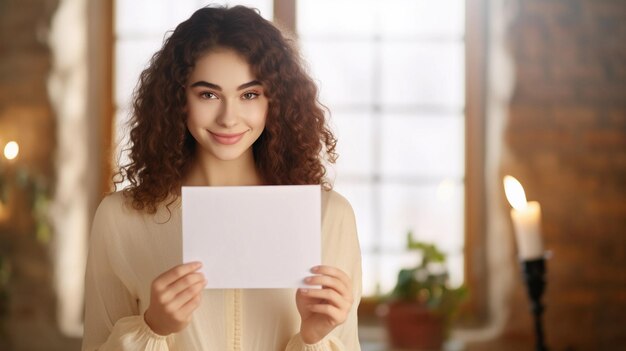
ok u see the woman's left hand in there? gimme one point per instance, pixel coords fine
(321, 310)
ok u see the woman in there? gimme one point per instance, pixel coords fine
(225, 102)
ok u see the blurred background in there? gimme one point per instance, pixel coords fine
(433, 103)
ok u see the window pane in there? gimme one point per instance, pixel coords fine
(424, 146)
(440, 18)
(455, 268)
(154, 18)
(139, 17)
(396, 18)
(121, 137)
(361, 199)
(369, 266)
(354, 132)
(131, 58)
(342, 70)
(402, 65)
(432, 212)
(332, 17)
(423, 74)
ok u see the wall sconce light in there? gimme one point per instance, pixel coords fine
(11, 150)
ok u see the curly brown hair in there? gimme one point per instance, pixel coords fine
(296, 138)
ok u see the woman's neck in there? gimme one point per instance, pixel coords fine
(206, 170)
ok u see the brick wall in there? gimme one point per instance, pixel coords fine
(567, 138)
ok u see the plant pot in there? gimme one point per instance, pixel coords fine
(413, 326)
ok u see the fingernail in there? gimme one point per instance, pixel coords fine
(304, 291)
(315, 269)
(198, 264)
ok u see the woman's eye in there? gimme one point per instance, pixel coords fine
(208, 95)
(250, 96)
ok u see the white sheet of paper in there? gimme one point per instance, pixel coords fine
(253, 236)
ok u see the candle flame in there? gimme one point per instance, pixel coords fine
(514, 193)
(11, 150)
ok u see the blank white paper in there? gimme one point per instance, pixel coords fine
(253, 236)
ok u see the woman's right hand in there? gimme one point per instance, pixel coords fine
(174, 295)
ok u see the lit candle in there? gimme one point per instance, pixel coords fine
(526, 220)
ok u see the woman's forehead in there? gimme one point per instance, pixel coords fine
(223, 67)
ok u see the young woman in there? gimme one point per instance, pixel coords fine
(225, 102)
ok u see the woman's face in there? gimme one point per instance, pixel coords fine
(226, 105)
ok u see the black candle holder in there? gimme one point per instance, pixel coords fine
(534, 271)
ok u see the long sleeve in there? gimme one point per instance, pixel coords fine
(341, 249)
(112, 318)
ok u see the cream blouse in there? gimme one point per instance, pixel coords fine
(129, 249)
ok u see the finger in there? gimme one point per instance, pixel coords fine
(170, 276)
(328, 310)
(184, 296)
(333, 272)
(329, 282)
(303, 293)
(181, 284)
(304, 299)
(330, 296)
(190, 306)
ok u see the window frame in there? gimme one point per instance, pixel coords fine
(475, 312)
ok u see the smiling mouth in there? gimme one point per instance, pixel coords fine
(227, 139)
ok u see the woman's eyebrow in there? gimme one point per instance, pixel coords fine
(205, 84)
(249, 84)
(202, 83)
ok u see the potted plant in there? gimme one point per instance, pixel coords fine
(419, 310)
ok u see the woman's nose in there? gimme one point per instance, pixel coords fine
(228, 115)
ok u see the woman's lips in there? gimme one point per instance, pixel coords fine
(227, 139)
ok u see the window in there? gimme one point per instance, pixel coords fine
(393, 77)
